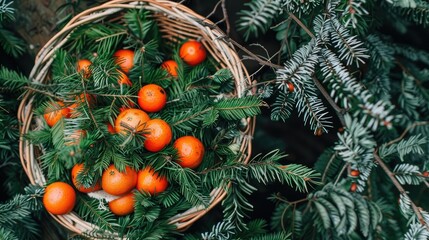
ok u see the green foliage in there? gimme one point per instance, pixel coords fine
(415, 11)
(342, 213)
(334, 53)
(201, 103)
(222, 230)
(404, 147)
(258, 18)
(331, 52)
(16, 215)
(239, 108)
(12, 80)
(416, 231)
(6, 11)
(225, 230)
(263, 169)
(9, 42)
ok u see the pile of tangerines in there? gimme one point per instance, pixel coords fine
(60, 197)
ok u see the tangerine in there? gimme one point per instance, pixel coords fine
(117, 183)
(77, 169)
(125, 59)
(82, 99)
(149, 181)
(127, 106)
(131, 120)
(152, 98)
(192, 52)
(75, 137)
(110, 128)
(123, 205)
(54, 112)
(171, 67)
(190, 151)
(158, 134)
(59, 198)
(123, 79)
(83, 65)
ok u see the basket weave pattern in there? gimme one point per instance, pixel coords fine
(176, 22)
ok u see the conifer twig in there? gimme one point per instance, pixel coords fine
(299, 22)
(225, 17)
(338, 110)
(214, 10)
(331, 159)
(341, 173)
(254, 56)
(43, 92)
(398, 186)
(416, 124)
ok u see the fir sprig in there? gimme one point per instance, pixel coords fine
(258, 18)
(16, 215)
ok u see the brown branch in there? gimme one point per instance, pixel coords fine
(301, 25)
(416, 124)
(340, 111)
(214, 10)
(398, 186)
(43, 92)
(409, 72)
(226, 18)
(327, 166)
(341, 173)
(87, 103)
(254, 56)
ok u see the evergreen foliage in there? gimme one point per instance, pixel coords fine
(200, 103)
(337, 67)
(21, 204)
(17, 218)
(9, 42)
(374, 90)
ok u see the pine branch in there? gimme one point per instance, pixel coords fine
(403, 147)
(350, 48)
(254, 56)
(416, 231)
(407, 174)
(416, 11)
(339, 212)
(301, 24)
(300, 66)
(340, 111)
(401, 190)
(301, 7)
(312, 108)
(89, 209)
(238, 108)
(282, 107)
(353, 13)
(380, 52)
(11, 44)
(221, 230)
(6, 11)
(258, 18)
(405, 132)
(11, 79)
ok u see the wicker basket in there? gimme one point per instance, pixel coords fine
(176, 22)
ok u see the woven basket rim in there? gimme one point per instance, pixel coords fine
(214, 41)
